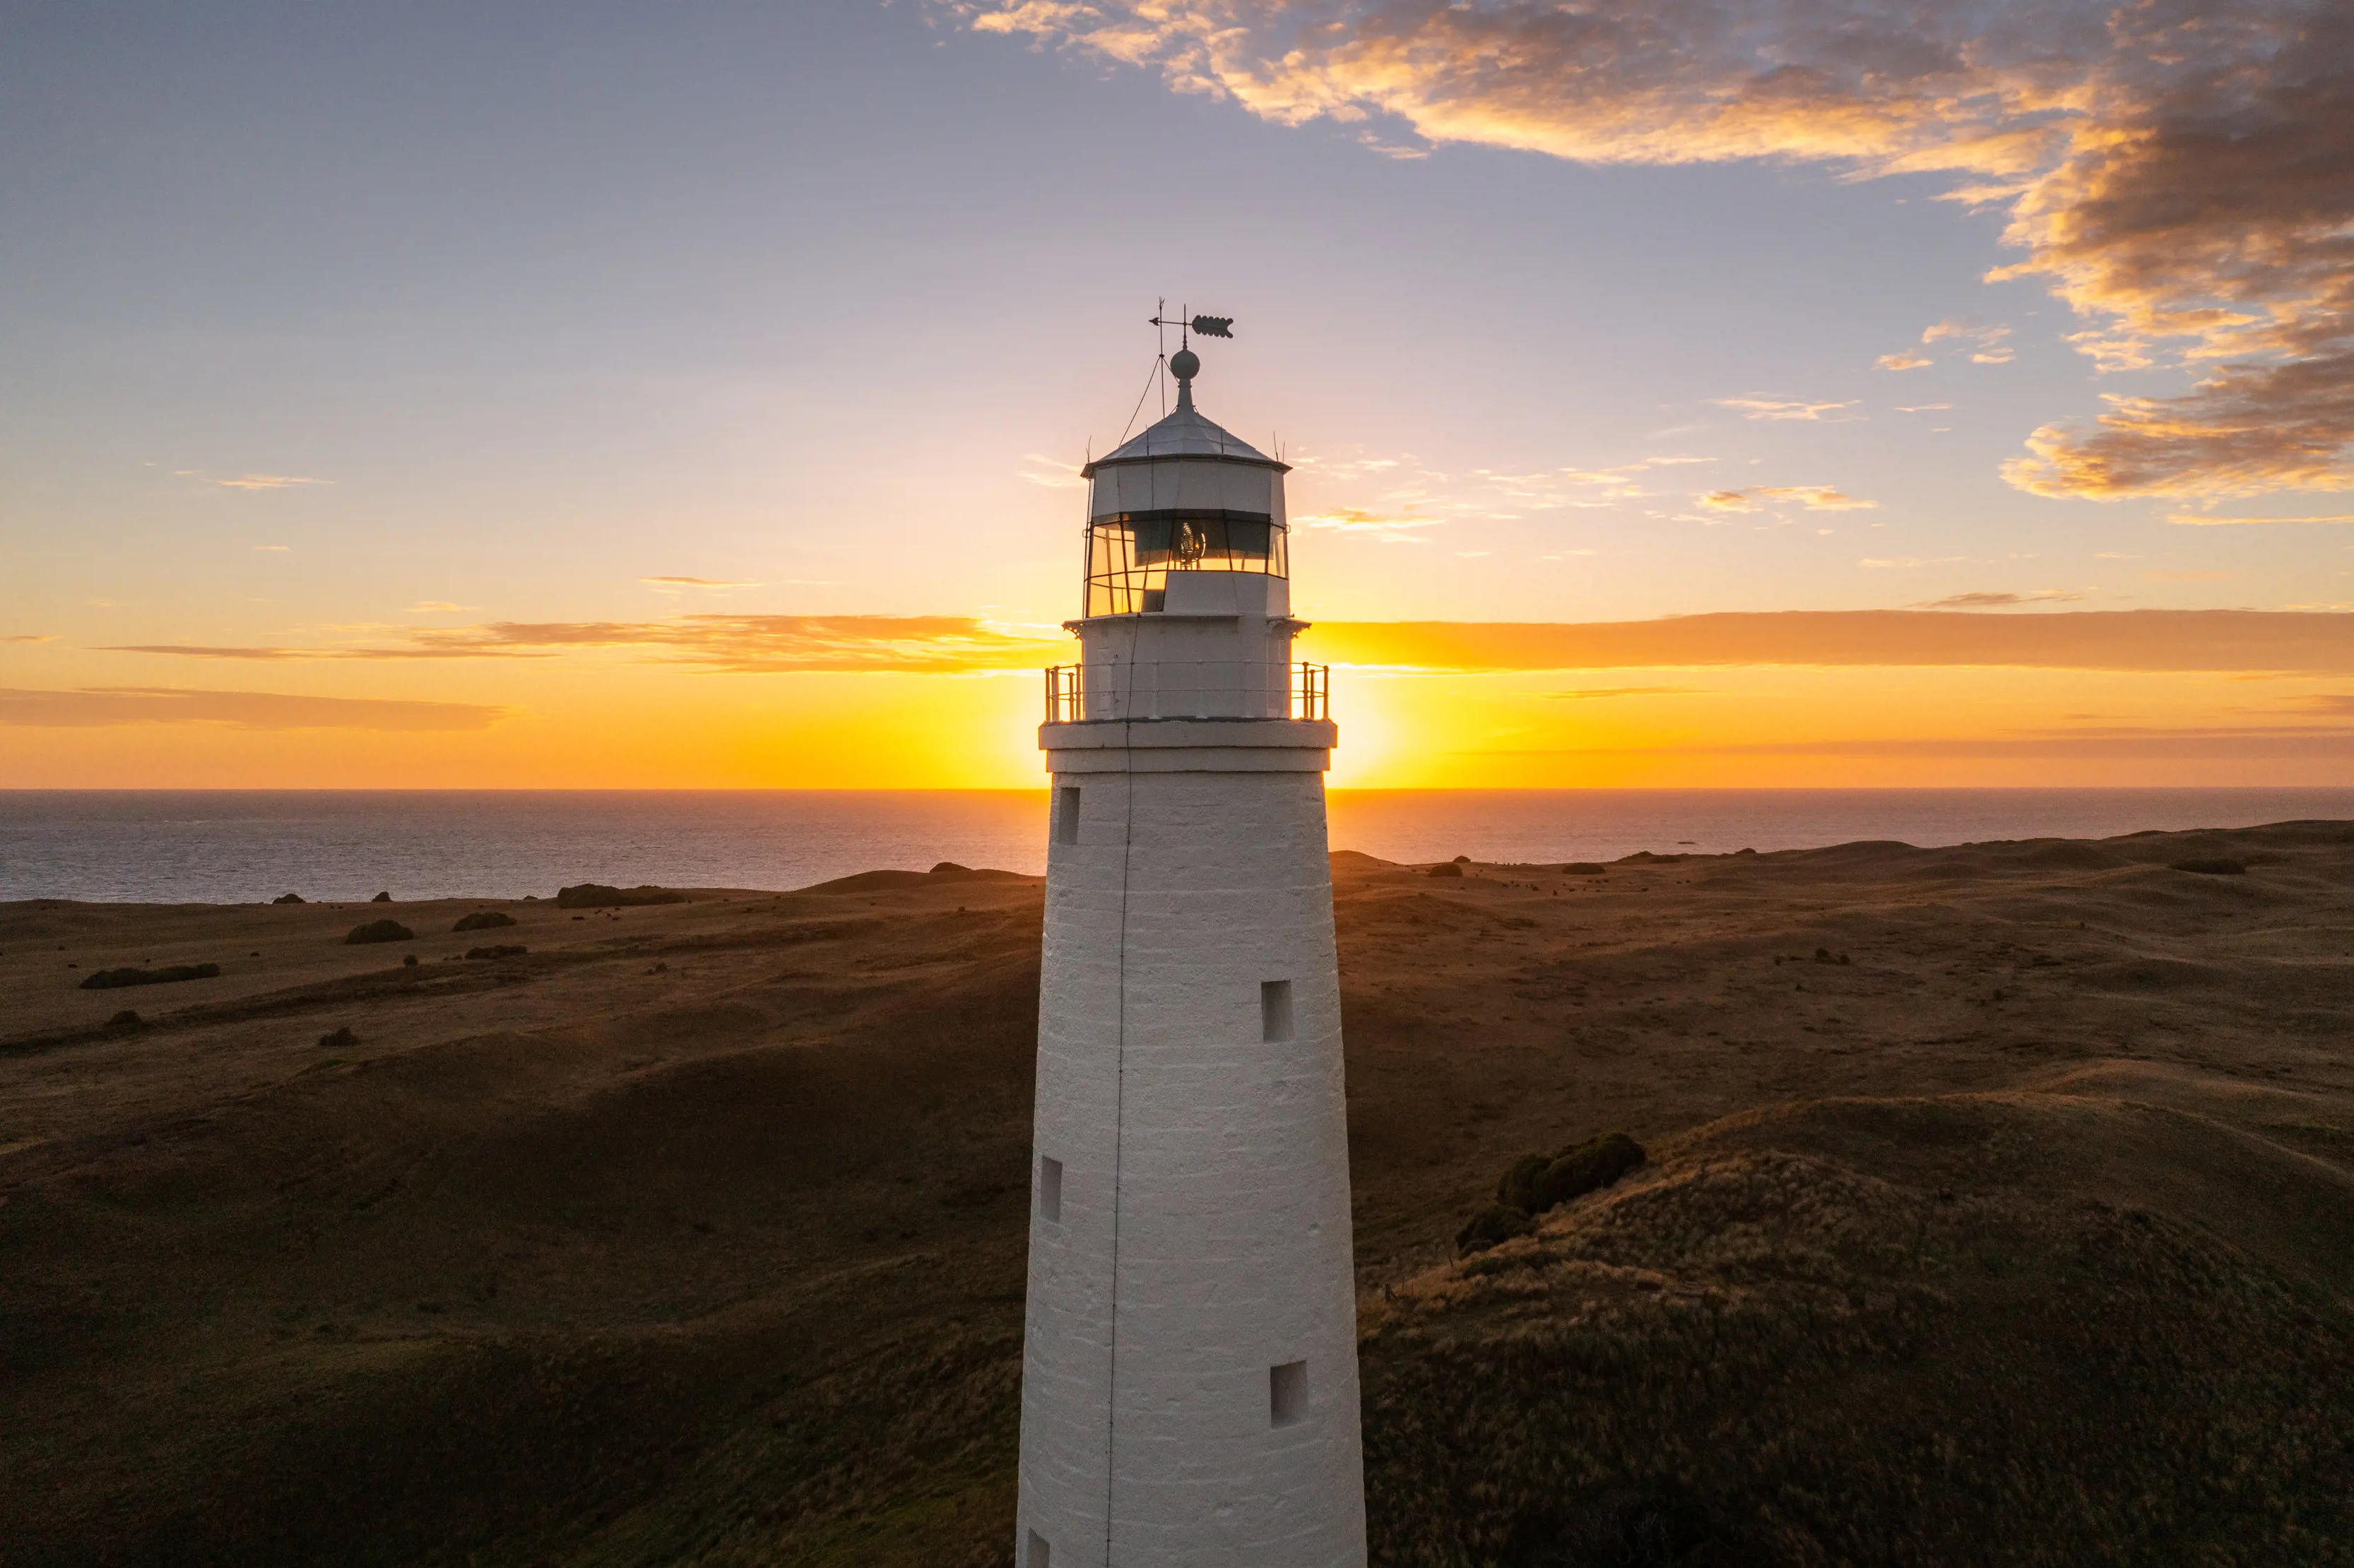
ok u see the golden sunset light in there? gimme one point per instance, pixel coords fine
(1177, 784)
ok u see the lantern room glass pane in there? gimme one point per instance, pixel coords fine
(1131, 554)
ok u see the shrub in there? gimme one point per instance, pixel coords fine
(287, 898)
(108, 979)
(1585, 1167)
(1496, 1223)
(380, 931)
(339, 1039)
(1445, 869)
(381, 898)
(503, 951)
(1518, 1190)
(597, 895)
(482, 920)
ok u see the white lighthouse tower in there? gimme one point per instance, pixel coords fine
(1189, 1389)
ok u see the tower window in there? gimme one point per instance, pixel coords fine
(1286, 1393)
(1066, 814)
(1275, 1009)
(1050, 1189)
(1035, 1552)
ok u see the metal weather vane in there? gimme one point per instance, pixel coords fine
(1187, 325)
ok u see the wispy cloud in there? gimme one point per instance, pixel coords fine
(674, 583)
(269, 481)
(2153, 639)
(1052, 473)
(2144, 640)
(1903, 359)
(435, 607)
(1599, 692)
(27, 637)
(1392, 529)
(1923, 408)
(2205, 520)
(2116, 743)
(2178, 175)
(1986, 342)
(1771, 408)
(1812, 497)
(1993, 600)
(942, 644)
(99, 706)
(273, 550)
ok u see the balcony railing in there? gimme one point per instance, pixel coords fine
(1188, 688)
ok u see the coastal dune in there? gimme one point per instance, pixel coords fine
(1998, 1207)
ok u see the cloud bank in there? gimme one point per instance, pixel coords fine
(2137, 639)
(2180, 173)
(99, 706)
(745, 644)
(2143, 640)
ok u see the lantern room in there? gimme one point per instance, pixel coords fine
(1186, 519)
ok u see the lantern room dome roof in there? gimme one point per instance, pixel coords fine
(1186, 434)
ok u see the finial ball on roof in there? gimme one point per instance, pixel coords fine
(1185, 365)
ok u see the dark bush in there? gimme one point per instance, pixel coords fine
(126, 1019)
(2213, 867)
(287, 898)
(1582, 1168)
(339, 1039)
(108, 980)
(1496, 1223)
(1518, 1190)
(381, 898)
(502, 951)
(380, 931)
(1584, 868)
(597, 895)
(1447, 869)
(482, 920)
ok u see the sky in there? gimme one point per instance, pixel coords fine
(1684, 393)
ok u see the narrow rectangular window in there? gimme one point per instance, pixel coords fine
(1050, 1189)
(1275, 1009)
(1066, 814)
(1035, 1552)
(1286, 1393)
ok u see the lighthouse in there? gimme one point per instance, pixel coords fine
(1189, 1387)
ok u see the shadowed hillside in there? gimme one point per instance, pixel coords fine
(1999, 1208)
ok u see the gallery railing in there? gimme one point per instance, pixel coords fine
(1188, 688)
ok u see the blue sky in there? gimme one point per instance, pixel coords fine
(329, 322)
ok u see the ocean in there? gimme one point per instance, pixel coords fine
(243, 846)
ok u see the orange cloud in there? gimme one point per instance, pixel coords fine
(1605, 692)
(1813, 497)
(2196, 520)
(2119, 744)
(2145, 639)
(1984, 599)
(2139, 640)
(2181, 176)
(941, 644)
(1769, 408)
(96, 706)
(269, 481)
